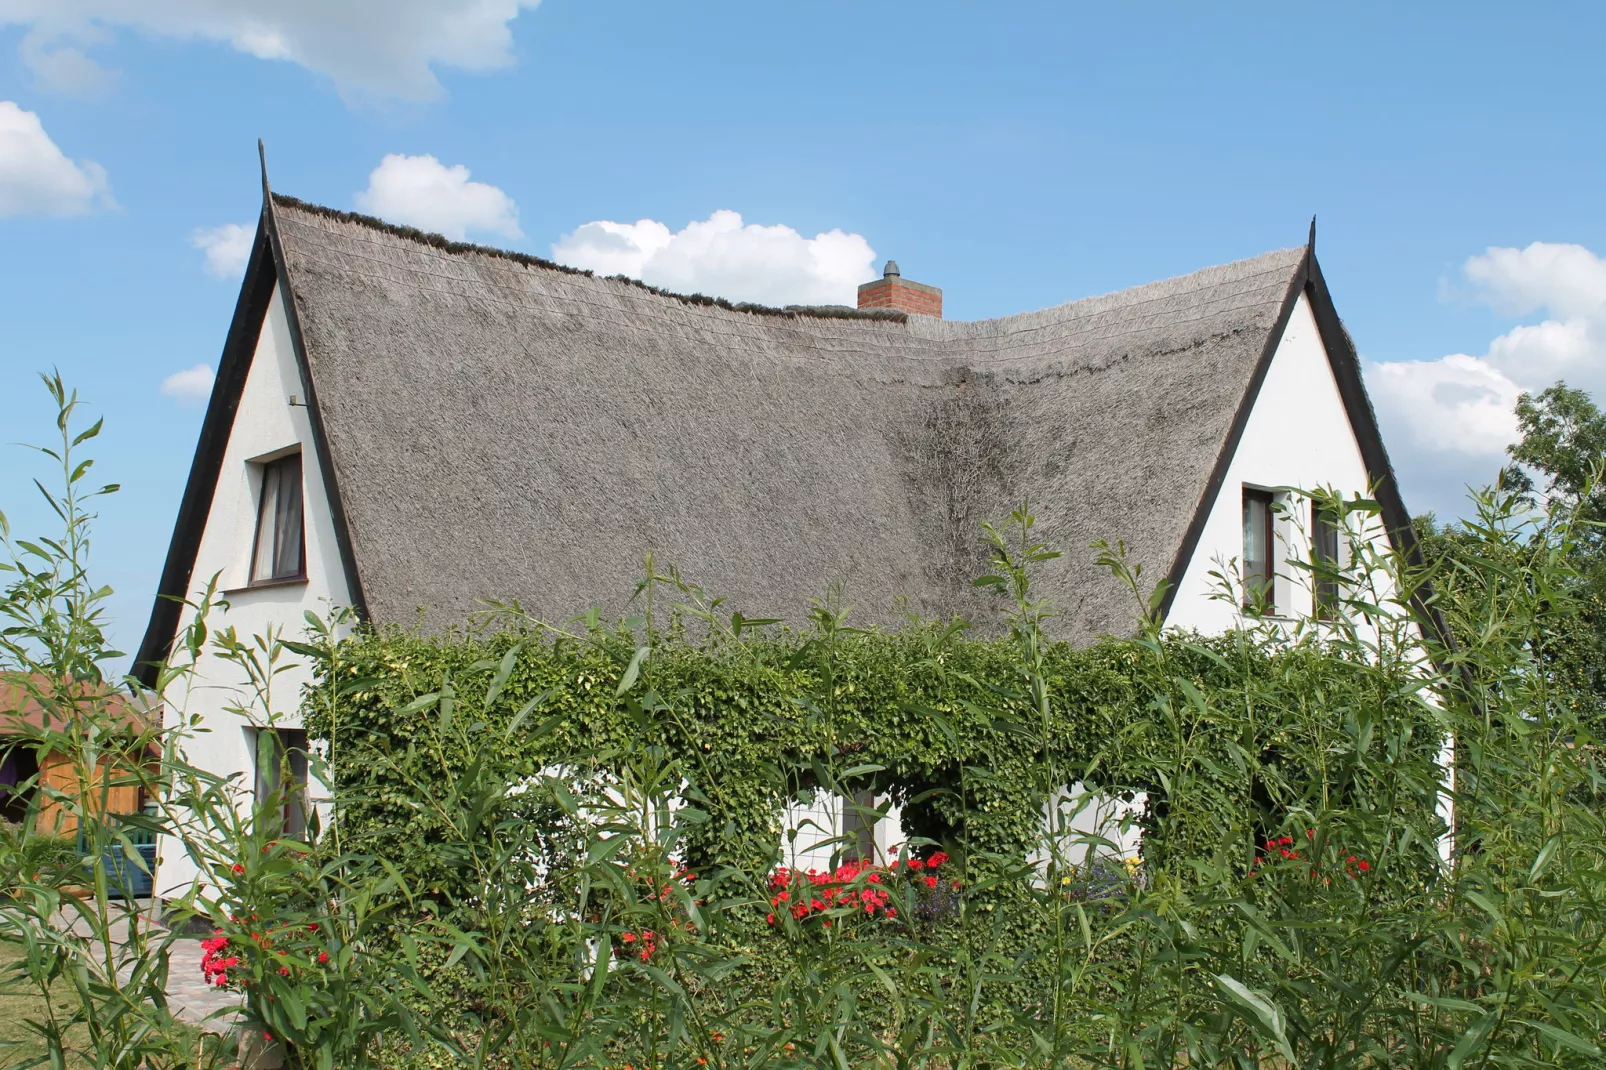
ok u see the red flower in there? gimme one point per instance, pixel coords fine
(284, 971)
(629, 938)
(916, 864)
(770, 918)
(238, 868)
(937, 859)
(1363, 866)
(931, 882)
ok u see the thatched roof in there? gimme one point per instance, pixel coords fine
(499, 427)
(504, 429)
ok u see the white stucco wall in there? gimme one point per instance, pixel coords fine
(264, 424)
(1298, 435)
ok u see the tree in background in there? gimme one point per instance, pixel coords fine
(1563, 442)
(1557, 462)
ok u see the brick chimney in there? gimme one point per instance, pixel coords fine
(892, 290)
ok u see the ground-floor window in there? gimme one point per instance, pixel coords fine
(281, 776)
(819, 827)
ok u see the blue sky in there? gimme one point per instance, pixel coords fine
(1016, 155)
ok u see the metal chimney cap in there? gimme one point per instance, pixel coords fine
(891, 270)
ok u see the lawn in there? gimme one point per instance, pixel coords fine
(20, 1002)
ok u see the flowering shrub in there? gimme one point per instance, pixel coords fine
(641, 944)
(856, 888)
(1281, 853)
(219, 956)
(215, 964)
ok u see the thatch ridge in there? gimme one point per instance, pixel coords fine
(447, 245)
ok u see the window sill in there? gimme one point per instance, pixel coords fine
(262, 585)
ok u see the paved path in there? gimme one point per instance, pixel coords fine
(191, 998)
(188, 994)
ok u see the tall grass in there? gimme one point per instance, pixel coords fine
(1319, 885)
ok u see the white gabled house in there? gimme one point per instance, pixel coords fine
(402, 423)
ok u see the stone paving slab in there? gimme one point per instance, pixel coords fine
(191, 998)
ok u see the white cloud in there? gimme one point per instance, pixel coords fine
(191, 384)
(369, 48)
(1567, 279)
(227, 248)
(60, 65)
(36, 178)
(1458, 408)
(723, 257)
(1457, 404)
(422, 192)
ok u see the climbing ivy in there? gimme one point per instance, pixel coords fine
(930, 718)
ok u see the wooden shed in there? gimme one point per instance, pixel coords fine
(34, 777)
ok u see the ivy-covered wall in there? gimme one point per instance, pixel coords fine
(939, 723)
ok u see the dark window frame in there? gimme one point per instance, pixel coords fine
(858, 827)
(289, 754)
(1326, 532)
(274, 481)
(1260, 589)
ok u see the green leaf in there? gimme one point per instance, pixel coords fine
(1545, 854)
(632, 671)
(1485, 904)
(1470, 1042)
(422, 702)
(1449, 1003)
(504, 672)
(1565, 1039)
(85, 436)
(524, 712)
(1265, 1012)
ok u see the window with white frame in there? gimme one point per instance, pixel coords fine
(280, 548)
(819, 827)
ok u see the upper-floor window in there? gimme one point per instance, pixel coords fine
(1259, 574)
(281, 543)
(1325, 559)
